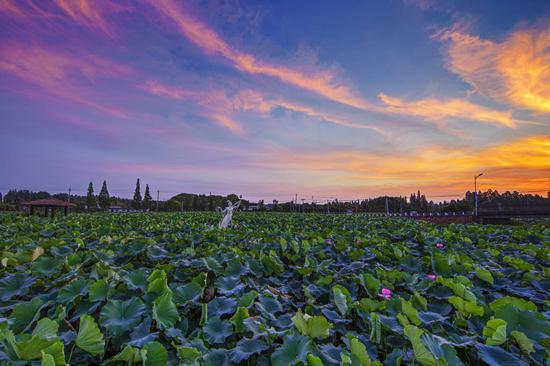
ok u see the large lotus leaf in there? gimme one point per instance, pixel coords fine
(73, 290)
(25, 313)
(246, 348)
(341, 299)
(269, 304)
(217, 357)
(89, 337)
(221, 306)
(57, 353)
(330, 355)
(371, 284)
(229, 285)
(421, 352)
(158, 282)
(119, 316)
(129, 355)
(31, 348)
(359, 354)
(533, 324)
(429, 317)
(441, 349)
(238, 318)
(99, 290)
(46, 328)
(155, 355)
(496, 356)
(142, 335)
(47, 360)
(47, 266)
(312, 326)
(495, 332)
(247, 299)
(235, 268)
(14, 285)
(216, 330)
(189, 292)
(189, 355)
(293, 351)
(156, 252)
(137, 279)
(165, 312)
(521, 304)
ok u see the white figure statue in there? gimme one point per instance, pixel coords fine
(226, 220)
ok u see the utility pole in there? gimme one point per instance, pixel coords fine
(69, 198)
(158, 194)
(475, 192)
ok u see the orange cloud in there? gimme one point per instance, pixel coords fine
(321, 82)
(515, 71)
(441, 110)
(522, 164)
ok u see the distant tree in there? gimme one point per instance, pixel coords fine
(1, 197)
(104, 199)
(136, 202)
(147, 199)
(90, 199)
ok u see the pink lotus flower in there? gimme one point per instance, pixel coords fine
(432, 277)
(385, 293)
(440, 245)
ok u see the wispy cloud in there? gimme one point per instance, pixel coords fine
(322, 82)
(441, 111)
(515, 71)
(60, 74)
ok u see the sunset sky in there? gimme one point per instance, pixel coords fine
(347, 99)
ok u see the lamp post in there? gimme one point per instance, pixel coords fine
(475, 192)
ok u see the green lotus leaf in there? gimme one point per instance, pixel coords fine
(14, 285)
(523, 342)
(521, 304)
(47, 360)
(25, 313)
(89, 337)
(533, 324)
(155, 354)
(421, 352)
(57, 352)
(216, 330)
(246, 348)
(371, 284)
(165, 312)
(73, 290)
(496, 356)
(46, 328)
(312, 326)
(341, 298)
(238, 319)
(294, 350)
(190, 292)
(189, 354)
(494, 332)
(98, 291)
(119, 317)
(485, 275)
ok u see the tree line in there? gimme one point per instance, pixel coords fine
(490, 199)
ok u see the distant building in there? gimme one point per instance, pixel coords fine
(117, 209)
(252, 208)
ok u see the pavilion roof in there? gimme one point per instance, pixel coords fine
(52, 202)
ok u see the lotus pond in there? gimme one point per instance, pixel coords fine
(274, 289)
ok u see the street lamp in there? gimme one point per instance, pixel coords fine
(475, 191)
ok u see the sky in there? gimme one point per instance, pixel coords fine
(323, 99)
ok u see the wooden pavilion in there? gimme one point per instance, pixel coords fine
(49, 204)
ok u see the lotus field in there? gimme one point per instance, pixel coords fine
(273, 289)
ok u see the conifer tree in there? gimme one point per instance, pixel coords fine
(90, 199)
(147, 199)
(104, 198)
(136, 203)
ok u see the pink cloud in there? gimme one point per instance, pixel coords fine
(60, 74)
